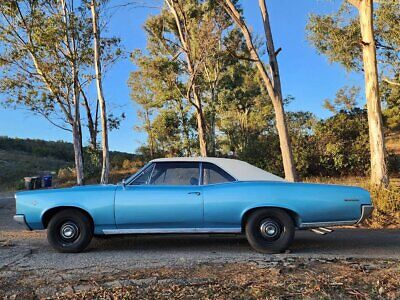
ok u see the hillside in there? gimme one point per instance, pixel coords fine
(28, 157)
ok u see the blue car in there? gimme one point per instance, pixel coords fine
(192, 195)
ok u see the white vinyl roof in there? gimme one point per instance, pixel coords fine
(240, 170)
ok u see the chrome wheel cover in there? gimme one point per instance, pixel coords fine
(69, 232)
(270, 229)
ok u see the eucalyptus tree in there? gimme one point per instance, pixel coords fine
(272, 83)
(191, 23)
(46, 62)
(156, 86)
(362, 43)
(44, 47)
(185, 69)
(100, 94)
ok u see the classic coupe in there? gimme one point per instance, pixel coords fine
(192, 195)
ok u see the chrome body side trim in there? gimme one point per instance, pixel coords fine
(172, 230)
(366, 212)
(21, 220)
(327, 224)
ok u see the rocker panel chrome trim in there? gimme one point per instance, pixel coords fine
(172, 230)
(327, 224)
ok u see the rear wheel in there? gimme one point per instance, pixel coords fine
(70, 230)
(270, 230)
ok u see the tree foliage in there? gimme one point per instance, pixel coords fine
(338, 37)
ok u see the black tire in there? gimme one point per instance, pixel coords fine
(69, 231)
(270, 230)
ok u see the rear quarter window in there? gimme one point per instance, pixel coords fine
(213, 174)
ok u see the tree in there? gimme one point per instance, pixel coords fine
(142, 92)
(342, 144)
(272, 85)
(183, 70)
(99, 85)
(44, 48)
(346, 99)
(184, 27)
(356, 43)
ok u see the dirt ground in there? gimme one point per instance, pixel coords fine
(287, 278)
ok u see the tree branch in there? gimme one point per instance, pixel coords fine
(391, 82)
(355, 3)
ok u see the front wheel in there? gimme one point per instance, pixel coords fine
(70, 231)
(270, 230)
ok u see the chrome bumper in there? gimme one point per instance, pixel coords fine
(366, 212)
(21, 220)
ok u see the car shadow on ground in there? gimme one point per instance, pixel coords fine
(340, 242)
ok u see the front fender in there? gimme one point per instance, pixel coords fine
(98, 202)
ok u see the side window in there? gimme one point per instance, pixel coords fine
(143, 178)
(175, 173)
(214, 174)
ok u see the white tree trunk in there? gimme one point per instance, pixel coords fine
(105, 171)
(75, 119)
(287, 157)
(76, 130)
(284, 139)
(201, 124)
(379, 173)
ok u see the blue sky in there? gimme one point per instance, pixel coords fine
(305, 75)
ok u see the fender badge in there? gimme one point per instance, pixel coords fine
(34, 203)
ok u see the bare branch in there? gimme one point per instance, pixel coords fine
(391, 82)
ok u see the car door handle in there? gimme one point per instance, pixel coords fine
(195, 193)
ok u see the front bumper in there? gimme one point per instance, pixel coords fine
(366, 212)
(21, 220)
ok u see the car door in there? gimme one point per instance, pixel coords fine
(221, 211)
(167, 195)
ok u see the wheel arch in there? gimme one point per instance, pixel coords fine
(294, 215)
(48, 214)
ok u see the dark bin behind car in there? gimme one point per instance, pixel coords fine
(38, 182)
(33, 183)
(47, 181)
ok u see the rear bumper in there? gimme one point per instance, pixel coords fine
(366, 212)
(21, 220)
